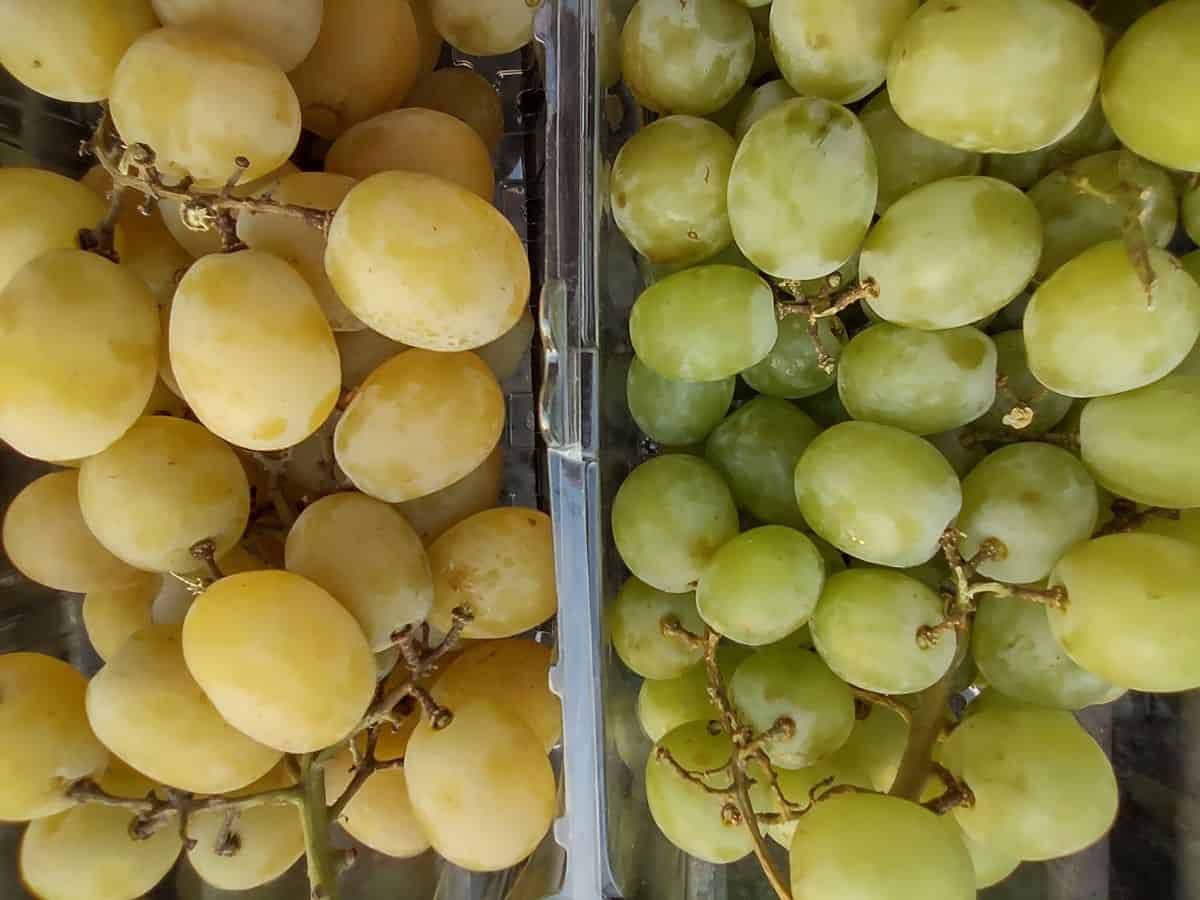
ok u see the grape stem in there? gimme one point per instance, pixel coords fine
(315, 819)
(99, 240)
(875, 699)
(1127, 517)
(971, 437)
(825, 305)
(956, 792)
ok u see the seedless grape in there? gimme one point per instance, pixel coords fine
(764, 99)
(463, 93)
(434, 514)
(1021, 389)
(675, 413)
(636, 621)
(285, 30)
(484, 28)
(112, 615)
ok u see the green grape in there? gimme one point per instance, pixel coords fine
(1091, 330)
(704, 324)
(1191, 264)
(877, 493)
(865, 627)
(1148, 86)
(921, 381)
(664, 705)
(686, 57)
(1037, 499)
(908, 159)
(1021, 389)
(1131, 610)
(674, 412)
(962, 457)
(802, 189)
(669, 517)
(1186, 527)
(690, 817)
(668, 189)
(1042, 786)
(1091, 135)
(997, 76)
(1016, 652)
(1190, 207)
(882, 848)
(1073, 221)
(826, 408)
(636, 620)
(1144, 444)
(932, 574)
(792, 369)
(756, 449)
(727, 115)
(793, 683)
(990, 864)
(797, 784)
(761, 586)
(951, 252)
(763, 99)
(876, 746)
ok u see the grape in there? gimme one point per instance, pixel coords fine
(367, 55)
(1073, 221)
(991, 865)
(932, 574)
(515, 674)
(689, 817)
(44, 706)
(826, 48)
(162, 488)
(487, 28)
(952, 252)
(673, 412)
(704, 324)
(1186, 527)
(1024, 170)
(668, 519)
(249, 319)
(362, 352)
(1191, 264)
(481, 788)
(802, 189)
(506, 353)
(791, 370)
(636, 622)
(961, 458)
(86, 853)
(906, 158)
(761, 101)
(1148, 78)
(368, 557)
(283, 30)
(47, 540)
(1090, 330)
(79, 341)
(1038, 500)
(875, 746)
(688, 58)
(1130, 616)
(69, 50)
(463, 93)
(434, 514)
(1190, 207)
(727, 116)
(174, 599)
(1020, 388)
(877, 493)
(1016, 652)
(885, 848)
(796, 785)
(664, 705)
(430, 41)
(500, 563)
(1042, 786)
(395, 258)
(1010, 76)
(112, 615)
(668, 189)
(298, 243)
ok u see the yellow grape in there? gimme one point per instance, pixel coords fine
(484, 27)
(482, 788)
(500, 563)
(299, 244)
(367, 53)
(505, 354)
(429, 41)
(44, 706)
(285, 30)
(174, 599)
(47, 540)
(433, 514)
(69, 49)
(200, 101)
(112, 615)
(362, 352)
(395, 258)
(164, 486)
(78, 354)
(465, 94)
(419, 423)
(252, 350)
(280, 658)
(415, 140)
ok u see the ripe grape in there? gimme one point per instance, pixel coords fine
(1092, 135)
(663, 706)
(961, 458)
(1186, 527)
(484, 28)
(761, 101)
(174, 598)
(1020, 388)
(434, 514)
(1190, 207)
(675, 413)
(635, 621)
(112, 615)
(797, 784)
(463, 93)
(876, 746)
(284, 30)
(362, 352)
(505, 354)
(991, 864)
(792, 369)
(727, 116)
(430, 41)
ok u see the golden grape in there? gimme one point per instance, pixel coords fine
(434, 513)
(284, 30)
(464, 94)
(112, 615)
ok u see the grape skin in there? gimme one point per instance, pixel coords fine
(791, 369)
(487, 28)
(636, 620)
(761, 101)
(111, 616)
(1021, 389)
(675, 413)
(285, 30)
(462, 93)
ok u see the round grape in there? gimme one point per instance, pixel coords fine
(636, 622)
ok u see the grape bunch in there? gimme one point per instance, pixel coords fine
(950, 500)
(267, 400)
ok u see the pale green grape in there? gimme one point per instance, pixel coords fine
(876, 746)
(484, 28)
(664, 705)
(668, 189)
(756, 449)
(1148, 86)
(763, 99)
(791, 369)
(1037, 499)
(669, 517)
(1010, 75)
(1186, 527)
(1016, 652)
(1091, 330)
(1190, 207)
(636, 622)
(826, 407)
(1042, 786)
(833, 49)
(762, 585)
(1073, 221)
(704, 324)
(962, 457)
(796, 785)
(1131, 610)
(865, 627)
(686, 57)
(952, 252)
(1091, 135)
(673, 412)
(802, 190)
(921, 381)
(877, 493)
(1020, 388)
